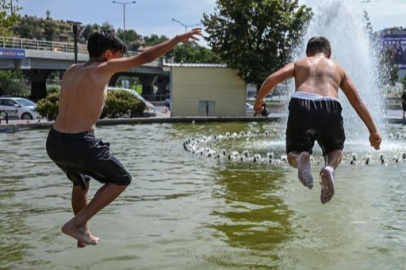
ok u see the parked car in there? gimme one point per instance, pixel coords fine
(149, 107)
(24, 108)
(249, 109)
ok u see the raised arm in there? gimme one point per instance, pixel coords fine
(275, 78)
(125, 63)
(356, 102)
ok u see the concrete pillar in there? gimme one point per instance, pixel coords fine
(162, 83)
(38, 83)
(147, 82)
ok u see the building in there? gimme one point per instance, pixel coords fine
(206, 90)
(394, 39)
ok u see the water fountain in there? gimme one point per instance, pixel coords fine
(343, 23)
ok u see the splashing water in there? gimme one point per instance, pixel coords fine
(342, 22)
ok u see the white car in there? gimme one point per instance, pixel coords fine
(19, 107)
(149, 107)
(249, 109)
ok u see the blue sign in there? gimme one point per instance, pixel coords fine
(396, 44)
(12, 53)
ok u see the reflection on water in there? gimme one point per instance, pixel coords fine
(184, 211)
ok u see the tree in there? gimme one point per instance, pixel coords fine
(12, 83)
(194, 53)
(8, 17)
(107, 26)
(87, 31)
(49, 30)
(130, 35)
(154, 39)
(48, 13)
(132, 38)
(256, 37)
(388, 72)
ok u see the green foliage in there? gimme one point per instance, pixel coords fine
(12, 83)
(256, 37)
(106, 26)
(53, 89)
(154, 40)
(122, 103)
(403, 81)
(50, 30)
(118, 104)
(388, 72)
(8, 17)
(48, 107)
(132, 39)
(31, 27)
(194, 54)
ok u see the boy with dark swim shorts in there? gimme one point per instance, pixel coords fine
(315, 112)
(71, 143)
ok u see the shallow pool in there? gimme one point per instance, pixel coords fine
(186, 211)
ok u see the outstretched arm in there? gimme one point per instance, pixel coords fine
(279, 76)
(356, 102)
(122, 64)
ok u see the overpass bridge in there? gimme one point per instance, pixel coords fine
(38, 58)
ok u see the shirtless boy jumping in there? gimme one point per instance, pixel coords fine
(315, 112)
(71, 143)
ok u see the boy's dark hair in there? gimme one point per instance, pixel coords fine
(103, 40)
(318, 45)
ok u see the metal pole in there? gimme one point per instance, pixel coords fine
(75, 40)
(124, 20)
(185, 25)
(12, 8)
(124, 4)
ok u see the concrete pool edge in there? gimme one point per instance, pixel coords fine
(120, 121)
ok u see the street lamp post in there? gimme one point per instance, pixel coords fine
(185, 25)
(124, 4)
(75, 26)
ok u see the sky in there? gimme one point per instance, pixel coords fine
(155, 16)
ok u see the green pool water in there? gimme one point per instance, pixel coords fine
(186, 211)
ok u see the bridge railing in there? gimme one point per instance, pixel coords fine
(43, 45)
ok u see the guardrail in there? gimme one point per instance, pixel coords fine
(5, 114)
(43, 45)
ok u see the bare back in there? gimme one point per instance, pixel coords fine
(82, 98)
(318, 75)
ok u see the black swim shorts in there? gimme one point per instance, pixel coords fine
(311, 118)
(82, 156)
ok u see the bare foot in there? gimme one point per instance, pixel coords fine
(82, 245)
(79, 234)
(304, 170)
(327, 184)
(91, 236)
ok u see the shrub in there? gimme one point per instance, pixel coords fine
(48, 107)
(118, 104)
(53, 88)
(122, 103)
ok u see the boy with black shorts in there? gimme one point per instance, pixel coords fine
(315, 112)
(71, 143)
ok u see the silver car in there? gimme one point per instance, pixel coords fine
(18, 107)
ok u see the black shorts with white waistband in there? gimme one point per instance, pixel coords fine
(81, 156)
(311, 118)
